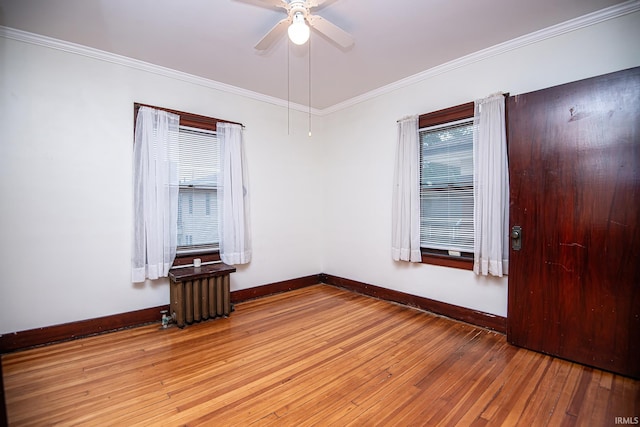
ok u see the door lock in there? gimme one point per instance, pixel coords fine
(516, 237)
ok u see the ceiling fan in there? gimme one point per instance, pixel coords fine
(298, 15)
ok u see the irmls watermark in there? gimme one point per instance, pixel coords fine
(627, 420)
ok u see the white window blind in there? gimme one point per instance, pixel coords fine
(446, 186)
(199, 156)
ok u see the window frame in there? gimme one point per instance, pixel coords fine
(208, 254)
(440, 117)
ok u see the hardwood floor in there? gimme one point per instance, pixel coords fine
(314, 356)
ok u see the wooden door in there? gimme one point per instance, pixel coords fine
(574, 159)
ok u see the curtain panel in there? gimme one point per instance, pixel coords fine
(491, 188)
(405, 215)
(233, 196)
(155, 193)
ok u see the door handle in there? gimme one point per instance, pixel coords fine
(516, 237)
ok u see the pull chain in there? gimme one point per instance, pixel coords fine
(288, 88)
(309, 86)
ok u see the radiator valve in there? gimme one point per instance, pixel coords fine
(165, 319)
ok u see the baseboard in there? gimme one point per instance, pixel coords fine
(274, 288)
(50, 334)
(474, 317)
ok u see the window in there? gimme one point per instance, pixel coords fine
(199, 163)
(199, 157)
(446, 186)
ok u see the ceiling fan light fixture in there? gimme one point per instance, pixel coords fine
(298, 30)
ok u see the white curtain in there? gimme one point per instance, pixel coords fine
(405, 215)
(491, 188)
(233, 196)
(155, 193)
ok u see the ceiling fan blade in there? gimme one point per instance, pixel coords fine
(267, 3)
(330, 30)
(272, 35)
(314, 3)
(276, 3)
(319, 4)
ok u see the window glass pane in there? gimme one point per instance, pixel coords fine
(199, 225)
(199, 157)
(446, 187)
(197, 204)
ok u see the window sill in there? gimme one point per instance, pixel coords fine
(461, 262)
(206, 255)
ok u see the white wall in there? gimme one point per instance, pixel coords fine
(318, 205)
(66, 139)
(360, 151)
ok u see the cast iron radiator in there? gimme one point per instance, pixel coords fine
(199, 293)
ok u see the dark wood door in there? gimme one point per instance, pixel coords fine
(574, 160)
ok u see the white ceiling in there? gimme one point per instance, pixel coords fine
(214, 39)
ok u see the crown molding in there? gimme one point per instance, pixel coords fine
(535, 37)
(89, 52)
(531, 38)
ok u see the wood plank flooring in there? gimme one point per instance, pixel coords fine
(314, 356)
